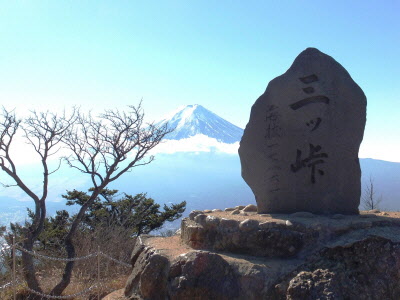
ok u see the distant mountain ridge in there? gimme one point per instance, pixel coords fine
(195, 119)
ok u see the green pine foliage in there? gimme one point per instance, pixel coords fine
(136, 214)
(130, 215)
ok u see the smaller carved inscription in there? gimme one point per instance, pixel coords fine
(272, 118)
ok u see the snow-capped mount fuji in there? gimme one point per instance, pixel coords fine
(195, 119)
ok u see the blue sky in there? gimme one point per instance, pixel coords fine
(220, 54)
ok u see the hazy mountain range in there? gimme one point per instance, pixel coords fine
(197, 163)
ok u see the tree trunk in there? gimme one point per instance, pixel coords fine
(29, 268)
(66, 278)
(31, 235)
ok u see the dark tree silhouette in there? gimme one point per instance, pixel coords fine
(369, 199)
(45, 133)
(104, 148)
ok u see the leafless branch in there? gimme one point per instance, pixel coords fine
(105, 148)
(369, 199)
(44, 132)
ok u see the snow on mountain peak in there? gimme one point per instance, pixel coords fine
(195, 119)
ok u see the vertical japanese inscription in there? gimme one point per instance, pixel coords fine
(314, 123)
(314, 157)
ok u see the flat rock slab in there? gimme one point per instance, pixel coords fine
(278, 235)
(166, 268)
(299, 151)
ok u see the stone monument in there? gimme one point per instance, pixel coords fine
(299, 155)
(299, 151)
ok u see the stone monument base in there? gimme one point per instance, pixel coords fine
(244, 255)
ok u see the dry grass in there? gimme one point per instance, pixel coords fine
(113, 276)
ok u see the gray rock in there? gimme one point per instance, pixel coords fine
(302, 214)
(207, 211)
(367, 216)
(194, 234)
(212, 222)
(194, 213)
(299, 151)
(229, 224)
(202, 275)
(200, 219)
(320, 284)
(269, 224)
(361, 225)
(229, 209)
(235, 212)
(288, 223)
(149, 273)
(363, 267)
(250, 208)
(248, 225)
(337, 216)
(240, 207)
(216, 210)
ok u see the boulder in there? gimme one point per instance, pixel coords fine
(299, 151)
(302, 214)
(366, 269)
(358, 264)
(202, 275)
(148, 274)
(250, 208)
(245, 237)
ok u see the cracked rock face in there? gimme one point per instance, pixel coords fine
(357, 269)
(202, 275)
(367, 269)
(299, 151)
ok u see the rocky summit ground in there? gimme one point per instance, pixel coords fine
(308, 257)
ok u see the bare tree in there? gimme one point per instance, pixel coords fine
(369, 199)
(44, 132)
(104, 148)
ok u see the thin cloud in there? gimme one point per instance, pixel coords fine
(197, 143)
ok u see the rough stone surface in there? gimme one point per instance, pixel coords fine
(229, 209)
(341, 263)
(201, 275)
(250, 208)
(299, 151)
(303, 214)
(243, 237)
(366, 269)
(280, 235)
(148, 274)
(320, 284)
